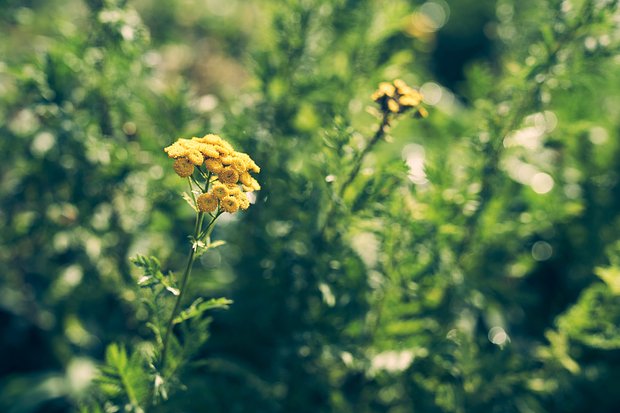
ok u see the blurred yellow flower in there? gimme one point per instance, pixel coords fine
(398, 97)
(393, 106)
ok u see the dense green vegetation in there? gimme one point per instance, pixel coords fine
(465, 262)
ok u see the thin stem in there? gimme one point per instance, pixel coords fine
(206, 176)
(357, 165)
(191, 188)
(185, 278)
(207, 231)
(198, 184)
(362, 155)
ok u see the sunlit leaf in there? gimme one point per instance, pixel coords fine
(200, 306)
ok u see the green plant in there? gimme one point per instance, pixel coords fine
(148, 374)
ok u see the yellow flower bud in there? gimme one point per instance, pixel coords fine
(195, 157)
(222, 151)
(176, 150)
(255, 185)
(211, 139)
(410, 100)
(245, 179)
(385, 89)
(227, 159)
(421, 113)
(393, 106)
(209, 151)
(400, 85)
(244, 202)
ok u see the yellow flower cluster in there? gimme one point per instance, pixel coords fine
(398, 97)
(229, 169)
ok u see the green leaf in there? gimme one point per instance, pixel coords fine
(216, 244)
(125, 375)
(150, 265)
(594, 320)
(169, 283)
(153, 275)
(199, 306)
(611, 277)
(201, 247)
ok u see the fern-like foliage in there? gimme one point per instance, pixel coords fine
(125, 378)
(135, 379)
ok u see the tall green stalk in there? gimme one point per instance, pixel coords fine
(188, 269)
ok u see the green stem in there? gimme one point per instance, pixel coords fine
(359, 160)
(357, 165)
(204, 234)
(198, 184)
(191, 188)
(185, 278)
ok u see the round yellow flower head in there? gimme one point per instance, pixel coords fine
(183, 167)
(230, 204)
(220, 190)
(228, 176)
(213, 165)
(233, 189)
(239, 165)
(229, 170)
(207, 202)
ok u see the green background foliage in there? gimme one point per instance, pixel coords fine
(473, 265)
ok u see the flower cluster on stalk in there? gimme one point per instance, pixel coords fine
(398, 97)
(226, 172)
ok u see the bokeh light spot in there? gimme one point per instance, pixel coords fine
(542, 183)
(437, 12)
(432, 93)
(542, 251)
